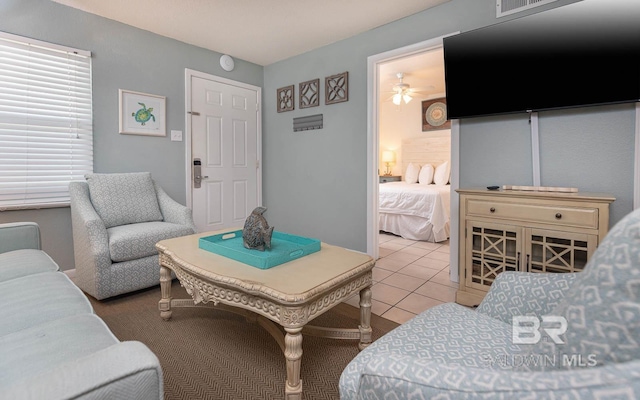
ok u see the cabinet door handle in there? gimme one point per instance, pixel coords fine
(558, 215)
(492, 209)
(527, 269)
(518, 267)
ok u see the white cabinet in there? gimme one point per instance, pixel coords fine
(525, 231)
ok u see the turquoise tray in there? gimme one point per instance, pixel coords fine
(284, 248)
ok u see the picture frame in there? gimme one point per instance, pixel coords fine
(309, 93)
(434, 115)
(286, 98)
(336, 88)
(141, 113)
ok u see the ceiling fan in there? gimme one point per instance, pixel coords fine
(403, 91)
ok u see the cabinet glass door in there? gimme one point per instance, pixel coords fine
(554, 251)
(491, 250)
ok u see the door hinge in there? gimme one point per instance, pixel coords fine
(195, 113)
(257, 164)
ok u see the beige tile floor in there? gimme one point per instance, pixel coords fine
(409, 277)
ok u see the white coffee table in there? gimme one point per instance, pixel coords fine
(290, 294)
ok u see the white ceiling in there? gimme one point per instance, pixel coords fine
(423, 72)
(259, 31)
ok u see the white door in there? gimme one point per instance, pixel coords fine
(224, 139)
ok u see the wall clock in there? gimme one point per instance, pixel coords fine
(434, 115)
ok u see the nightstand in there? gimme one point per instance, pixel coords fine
(390, 178)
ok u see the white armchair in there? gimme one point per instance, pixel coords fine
(117, 219)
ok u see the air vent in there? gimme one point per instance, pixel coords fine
(506, 7)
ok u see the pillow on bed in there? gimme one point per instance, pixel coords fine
(426, 174)
(411, 176)
(441, 176)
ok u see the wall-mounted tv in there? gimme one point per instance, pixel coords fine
(581, 54)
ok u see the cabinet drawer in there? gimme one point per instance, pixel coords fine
(566, 216)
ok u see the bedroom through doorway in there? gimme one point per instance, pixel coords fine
(414, 148)
(398, 137)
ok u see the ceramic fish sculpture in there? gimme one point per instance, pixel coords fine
(256, 233)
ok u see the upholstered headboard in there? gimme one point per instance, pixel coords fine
(434, 148)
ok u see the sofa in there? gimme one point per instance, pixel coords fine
(534, 336)
(117, 219)
(52, 345)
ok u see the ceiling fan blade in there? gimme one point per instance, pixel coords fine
(423, 89)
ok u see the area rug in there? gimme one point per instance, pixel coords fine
(214, 354)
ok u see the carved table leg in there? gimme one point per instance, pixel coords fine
(365, 318)
(164, 305)
(293, 354)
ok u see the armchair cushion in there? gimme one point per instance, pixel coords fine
(130, 242)
(602, 308)
(523, 293)
(449, 334)
(126, 198)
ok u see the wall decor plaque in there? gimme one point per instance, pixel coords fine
(309, 93)
(434, 115)
(336, 88)
(286, 98)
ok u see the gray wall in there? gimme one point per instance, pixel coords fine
(315, 181)
(122, 58)
(591, 148)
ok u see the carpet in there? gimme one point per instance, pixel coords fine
(215, 354)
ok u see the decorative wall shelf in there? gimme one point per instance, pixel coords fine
(307, 123)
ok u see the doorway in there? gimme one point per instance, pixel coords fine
(375, 64)
(223, 150)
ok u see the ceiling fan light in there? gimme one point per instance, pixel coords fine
(406, 98)
(397, 98)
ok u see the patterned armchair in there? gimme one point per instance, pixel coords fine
(589, 350)
(117, 219)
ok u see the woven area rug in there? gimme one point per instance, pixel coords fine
(214, 354)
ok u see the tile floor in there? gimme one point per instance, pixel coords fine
(409, 277)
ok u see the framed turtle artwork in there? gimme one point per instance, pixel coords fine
(142, 113)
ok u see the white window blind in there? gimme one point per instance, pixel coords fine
(46, 137)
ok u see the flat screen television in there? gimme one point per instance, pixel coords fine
(581, 54)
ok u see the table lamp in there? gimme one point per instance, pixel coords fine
(388, 157)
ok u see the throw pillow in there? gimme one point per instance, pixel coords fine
(126, 198)
(426, 174)
(413, 171)
(441, 176)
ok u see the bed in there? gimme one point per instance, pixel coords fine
(415, 211)
(418, 211)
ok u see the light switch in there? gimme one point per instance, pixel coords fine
(176, 136)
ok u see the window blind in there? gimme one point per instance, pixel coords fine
(46, 137)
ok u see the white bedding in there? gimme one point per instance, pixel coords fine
(415, 211)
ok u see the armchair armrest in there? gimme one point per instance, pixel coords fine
(90, 238)
(19, 235)
(404, 377)
(172, 211)
(525, 293)
(127, 370)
